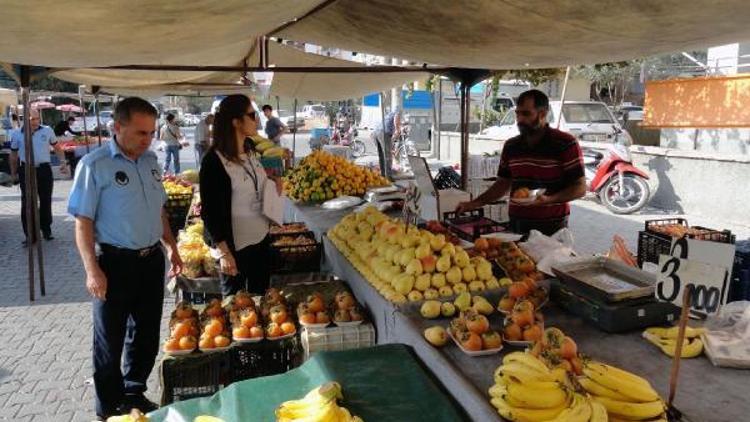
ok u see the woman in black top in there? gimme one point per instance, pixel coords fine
(232, 181)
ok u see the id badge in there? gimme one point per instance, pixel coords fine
(257, 204)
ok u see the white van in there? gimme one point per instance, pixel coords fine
(587, 120)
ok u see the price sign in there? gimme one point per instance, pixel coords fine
(708, 284)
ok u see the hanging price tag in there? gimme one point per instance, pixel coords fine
(708, 284)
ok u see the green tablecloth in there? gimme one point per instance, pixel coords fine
(382, 383)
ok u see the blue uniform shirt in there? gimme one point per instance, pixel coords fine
(42, 138)
(123, 197)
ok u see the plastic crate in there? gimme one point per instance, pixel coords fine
(264, 358)
(472, 224)
(652, 244)
(740, 288)
(337, 338)
(196, 375)
(291, 259)
(274, 234)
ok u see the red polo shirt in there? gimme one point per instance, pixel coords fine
(553, 164)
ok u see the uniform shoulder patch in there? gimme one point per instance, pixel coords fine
(121, 178)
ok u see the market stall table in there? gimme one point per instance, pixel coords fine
(382, 383)
(469, 378)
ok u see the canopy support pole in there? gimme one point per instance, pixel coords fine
(439, 116)
(95, 89)
(562, 95)
(83, 113)
(294, 134)
(384, 159)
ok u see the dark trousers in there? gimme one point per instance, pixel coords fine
(44, 185)
(254, 267)
(546, 227)
(129, 319)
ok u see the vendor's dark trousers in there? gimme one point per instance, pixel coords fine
(254, 267)
(129, 319)
(44, 185)
(546, 227)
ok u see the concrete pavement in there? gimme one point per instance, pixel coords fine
(45, 352)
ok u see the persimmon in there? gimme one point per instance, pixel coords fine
(206, 343)
(524, 264)
(278, 314)
(241, 332)
(288, 327)
(315, 303)
(222, 341)
(577, 365)
(307, 318)
(181, 329)
(530, 283)
(481, 244)
(565, 364)
(172, 344)
(491, 340)
(188, 343)
(518, 289)
(532, 333)
(274, 330)
(568, 348)
(523, 313)
(471, 341)
(214, 311)
(322, 318)
(243, 301)
(355, 314)
(506, 304)
(249, 319)
(345, 300)
(513, 332)
(256, 332)
(477, 323)
(213, 328)
(183, 311)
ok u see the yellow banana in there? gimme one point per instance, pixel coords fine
(621, 382)
(630, 410)
(597, 389)
(515, 371)
(672, 332)
(536, 395)
(318, 398)
(619, 372)
(578, 411)
(598, 412)
(518, 414)
(526, 359)
(560, 375)
(690, 348)
(498, 390)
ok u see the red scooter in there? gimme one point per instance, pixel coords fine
(620, 185)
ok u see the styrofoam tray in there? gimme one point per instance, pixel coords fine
(347, 323)
(320, 325)
(477, 353)
(179, 352)
(216, 349)
(282, 337)
(518, 343)
(249, 340)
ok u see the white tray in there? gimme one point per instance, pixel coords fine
(249, 340)
(320, 325)
(477, 353)
(216, 349)
(179, 352)
(282, 337)
(533, 195)
(518, 343)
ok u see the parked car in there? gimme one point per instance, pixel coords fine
(287, 117)
(310, 111)
(587, 120)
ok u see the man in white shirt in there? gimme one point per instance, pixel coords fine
(203, 137)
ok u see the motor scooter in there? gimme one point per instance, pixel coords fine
(346, 135)
(621, 186)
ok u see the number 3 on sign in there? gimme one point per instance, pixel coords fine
(708, 283)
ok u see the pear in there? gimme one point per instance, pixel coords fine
(484, 270)
(405, 256)
(445, 291)
(438, 280)
(430, 309)
(429, 263)
(414, 296)
(469, 274)
(437, 242)
(449, 249)
(447, 309)
(422, 251)
(460, 287)
(443, 263)
(414, 267)
(463, 301)
(423, 282)
(505, 282)
(403, 284)
(492, 283)
(436, 336)
(476, 286)
(461, 258)
(481, 305)
(409, 241)
(431, 294)
(454, 275)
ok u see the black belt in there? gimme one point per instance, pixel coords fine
(131, 253)
(38, 165)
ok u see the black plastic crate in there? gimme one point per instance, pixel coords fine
(275, 236)
(651, 244)
(723, 236)
(739, 287)
(480, 225)
(195, 375)
(291, 259)
(268, 357)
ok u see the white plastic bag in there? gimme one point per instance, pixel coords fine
(727, 341)
(549, 251)
(342, 202)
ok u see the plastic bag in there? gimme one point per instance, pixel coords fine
(727, 341)
(549, 251)
(342, 202)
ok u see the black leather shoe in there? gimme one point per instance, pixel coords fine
(137, 401)
(48, 236)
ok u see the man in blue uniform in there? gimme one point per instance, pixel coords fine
(118, 202)
(42, 138)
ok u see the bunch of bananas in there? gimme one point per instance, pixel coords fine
(321, 176)
(177, 188)
(526, 390)
(666, 340)
(319, 405)
(626, 396)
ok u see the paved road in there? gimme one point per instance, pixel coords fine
(45, 352)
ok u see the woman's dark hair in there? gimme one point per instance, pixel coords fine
(231, 108)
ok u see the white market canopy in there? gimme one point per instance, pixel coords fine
(487, 34)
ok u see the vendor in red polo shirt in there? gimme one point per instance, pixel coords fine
(540, 157)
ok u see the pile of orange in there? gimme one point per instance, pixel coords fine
(472, 331)
(214, 333)
(275, 312)
(245, 320)
(524, 323)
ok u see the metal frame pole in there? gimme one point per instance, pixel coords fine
(294, 134)
(384, 171)
(83, 113)
(464, 134)
(439, 116)
(96, 111)
(562, 95)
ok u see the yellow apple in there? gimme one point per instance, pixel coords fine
(422, 251)
(403, 284)
(492, 283)
(414, 267)
(449, 249)
(460, 287)
(431, 294)
(461, 258)
(405, 256)
(445, 291)
(447, 309)
(454, 275)
(437, 242)
(469, 274)
(438, 280)
(436, 336)
(430, 309)
(443, 263)
(422, 282)
(414, 296)
(476, 286)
